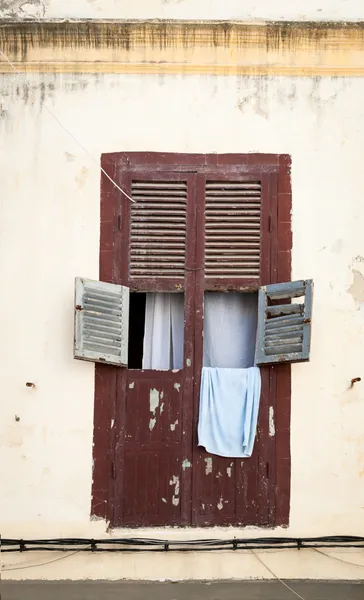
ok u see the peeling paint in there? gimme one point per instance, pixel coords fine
(177, 386)
(175, 481)
(152, 423)
(22, 9)
(188, 362)
(208, 468)
(131, 385)
(357, 287)
(229, 470)
(153, 400)
(164, 500)
(203, 506)
(219, 475)
(186, 464)
(272, 428)
(220, 505)
(161, 408)
(173, 425)
(112, 423)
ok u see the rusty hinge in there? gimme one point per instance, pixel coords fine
(113, 470)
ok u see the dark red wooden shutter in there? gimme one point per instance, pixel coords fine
(146, 463)
(232, 229)
(235, 229)
(154, 419)
(158, 229)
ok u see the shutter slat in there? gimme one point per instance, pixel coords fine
(284, 331)
(232, 229)
(158, 229)
(164, 273)
(285, 309)
(271, 334)
(284, 321)
(101, 322)
(282, 341)
(289, 349)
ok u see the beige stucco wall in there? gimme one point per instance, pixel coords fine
(49, 233)
(310, 10)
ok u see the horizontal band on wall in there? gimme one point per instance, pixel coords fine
(157, 47)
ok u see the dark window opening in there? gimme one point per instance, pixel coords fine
(136, 329)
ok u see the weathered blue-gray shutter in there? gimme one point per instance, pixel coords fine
(101, 322)
(284, 330)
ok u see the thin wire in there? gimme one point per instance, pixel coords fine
(44, 563)
(348, 562)
(276, 576)
(62, 126)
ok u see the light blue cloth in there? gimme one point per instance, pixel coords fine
(229, 406)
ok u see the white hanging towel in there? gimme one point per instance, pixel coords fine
(229, 406)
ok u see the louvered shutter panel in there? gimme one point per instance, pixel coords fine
(101, 322)
(158, 230)
(284, 329)
(232, 229)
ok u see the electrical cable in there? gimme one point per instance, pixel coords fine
(347, 562)
(20, 568)
(156, 545)
(63, 127)
(276, 576)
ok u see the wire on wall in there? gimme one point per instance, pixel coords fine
(136, 544)
(62, 126)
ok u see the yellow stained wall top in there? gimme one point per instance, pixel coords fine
(227, 48)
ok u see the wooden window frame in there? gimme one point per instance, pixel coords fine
(278, 377)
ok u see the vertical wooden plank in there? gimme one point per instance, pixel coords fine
(118, 417)
(199, 282)
(189, 354)
(283, 372)
(105, 375)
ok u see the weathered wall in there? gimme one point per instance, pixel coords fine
(49, 233)
(310, 10)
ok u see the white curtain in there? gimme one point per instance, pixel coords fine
(163, 333)
(230, 323)
(230, 327)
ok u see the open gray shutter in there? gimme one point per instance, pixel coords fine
(284, 329)
(101, 322)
